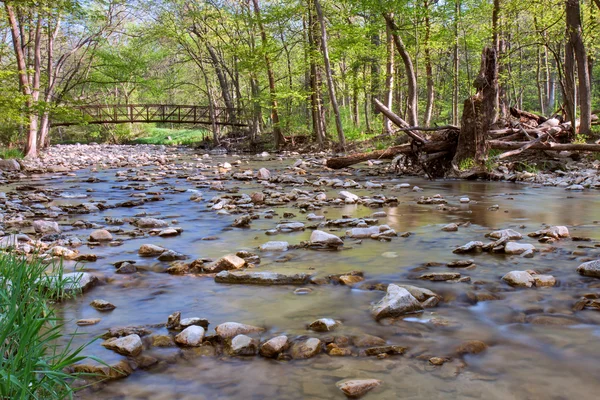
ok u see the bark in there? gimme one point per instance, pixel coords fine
(318, 117)
(329, 76)
(389, 78)
(412, 101)
(428, 66)
(575, 35)
(455, 63)
(278, 136)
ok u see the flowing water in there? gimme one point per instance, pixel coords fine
(524, 360)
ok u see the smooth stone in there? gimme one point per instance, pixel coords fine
(275, 346)
(590, 268)
(517, 248)
(88, 321)
(471, 347)
(243, 345)
(150, 250)
(544, 280)
(324, 325)
(509, 233)
(450, 228)
(306, 349)
(261, 278)
(225, 263)
(130, 345)
(45, 227)
(274, 246)
(519, 279)
(191, 336)
(397, 301)
(345, 195)
(355, 388)
(321, 237)
(102, 305)
(150, 223)
(228, 330)
(101, 235)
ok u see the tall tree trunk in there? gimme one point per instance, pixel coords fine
(278, 136)
(428, 66)
(389, 78)
(455, 63)
(318, 115)
(413, 101)
(375, 65)
(575, 38)
(329, 76)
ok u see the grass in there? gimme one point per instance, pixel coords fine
(10, 153)
(172, 137)
(32, 363)
(466, 164)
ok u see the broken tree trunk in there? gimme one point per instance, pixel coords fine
(479, 112)
(525, 116)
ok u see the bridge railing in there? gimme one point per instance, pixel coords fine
(155, 113)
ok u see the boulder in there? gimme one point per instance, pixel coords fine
(324, 238)
(519, 279)
(306, 348)
(355, 388)
(150, 250)
(10, 165)
(275, 346)
(191, 336)
(130, 345)
(274, 246)
(242, 345)
(324, 325)
(101, 235)
(228, 330)
(263, 174)
(397, 301)
(517, 248)
(590, 268)
(225, 263)
(45, 227)
(261, 278)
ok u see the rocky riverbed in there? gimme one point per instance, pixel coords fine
(270, 276)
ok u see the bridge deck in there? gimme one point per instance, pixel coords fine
(155, 113)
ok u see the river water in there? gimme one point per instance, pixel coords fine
(527, 358)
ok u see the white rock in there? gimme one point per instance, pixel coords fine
(397, 301)
(345, 195)
(130, 345)
(517, 248)
(274, 246)
(44, 227)
(191, 336)
(320, 237)
(101, 235)
(519, 279)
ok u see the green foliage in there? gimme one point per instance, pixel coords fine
(580, 139)
(466, 164)
(527, 167)
(173, 137)
(10, 153)
(33, 360)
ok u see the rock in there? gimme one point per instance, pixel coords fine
(186, 322)
(101, 235)
(242, 345)
(590, 268)
(465, 200)
(126, 268)
(275, 346)
(174, 320)
(508, 233)
(171, 255)
(421, 294)
(471, 347)
(263, 174)
(261, 278)
(242, 222)
(169, 232)
(355, 388)
(544, 280)
(128, 346)
(10, 165)
(63, 252)
(162, 341)
(191, 336)
(517, 248)
(470, 247)
(397, 301)
(225, 263)
(306, 348)
(274, 246)
(87, 321)
(150, 250)
(347, 196)
(360, 233)
(150, 223)
(178, 269)
(228, 330)
(389, 350)
(102, 305)
(121, 369)
(519, 279)
(437, 361)
(555, 232)
(290, 227)
(45, 227)
(440, 276)
(366, 340)
(450, 228)
(72, 282)
(324, 325)
(324, 238)
(350, 280)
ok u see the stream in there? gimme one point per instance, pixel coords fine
(538, 347)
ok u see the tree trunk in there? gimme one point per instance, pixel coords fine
(329, 76)
(318, 116)
(412, 101)
(389, 78)
(455, 63)
(428, 66)
(575, 37)
(478, 113)
(278, 136)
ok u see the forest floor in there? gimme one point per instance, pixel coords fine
(173, 137)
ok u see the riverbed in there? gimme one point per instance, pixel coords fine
(537, 345)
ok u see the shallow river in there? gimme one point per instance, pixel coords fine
(525, 360)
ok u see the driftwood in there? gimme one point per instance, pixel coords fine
(502, 145)
(515, 112)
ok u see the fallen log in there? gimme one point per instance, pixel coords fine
(396, 120)
(523, 148)
(515, 112)
(390, 153)
(502, 145)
